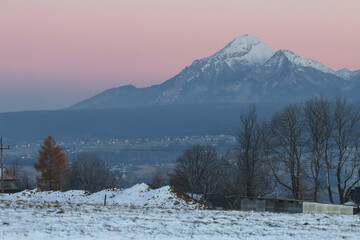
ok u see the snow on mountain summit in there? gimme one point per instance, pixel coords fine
(245, 48)
(344, 73)
(305, 62)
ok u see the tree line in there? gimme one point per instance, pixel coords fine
(87, 172)
(307, 151)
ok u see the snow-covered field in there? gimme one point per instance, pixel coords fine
(36, 217)
(30, 220)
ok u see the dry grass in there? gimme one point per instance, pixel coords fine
(189, 200)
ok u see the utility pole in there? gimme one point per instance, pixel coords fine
(2, 166)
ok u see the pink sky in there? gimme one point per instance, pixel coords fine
(87, 46)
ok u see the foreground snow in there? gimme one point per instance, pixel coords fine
(51, 220)
(140, 195)
(141, 212)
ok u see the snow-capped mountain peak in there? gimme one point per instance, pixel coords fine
(344, 73)
(245, 48)
(242, 43)
(304, 62)
(245, 70)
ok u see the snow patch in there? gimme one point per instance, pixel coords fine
(140, 195)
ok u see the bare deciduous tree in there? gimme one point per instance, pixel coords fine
(90, 173)
(319, 125)
(287, 140)
(161, 177)
(198, 171)
(251, 177)
(23, 181)
(346, 138)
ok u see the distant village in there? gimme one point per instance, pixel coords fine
(134, 160)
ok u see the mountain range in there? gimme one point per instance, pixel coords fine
(205, 98)
(245, 71)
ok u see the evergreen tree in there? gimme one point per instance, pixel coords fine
(53, 166)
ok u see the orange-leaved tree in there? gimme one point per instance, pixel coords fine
(53, 166)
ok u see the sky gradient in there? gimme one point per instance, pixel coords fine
(54, 53)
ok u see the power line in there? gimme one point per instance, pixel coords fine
(2, 166)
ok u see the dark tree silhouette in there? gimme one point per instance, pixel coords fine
(319, 127)
(251, 174)
(198, 171)
(288, 140)
(91, 173)
(346, 138)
